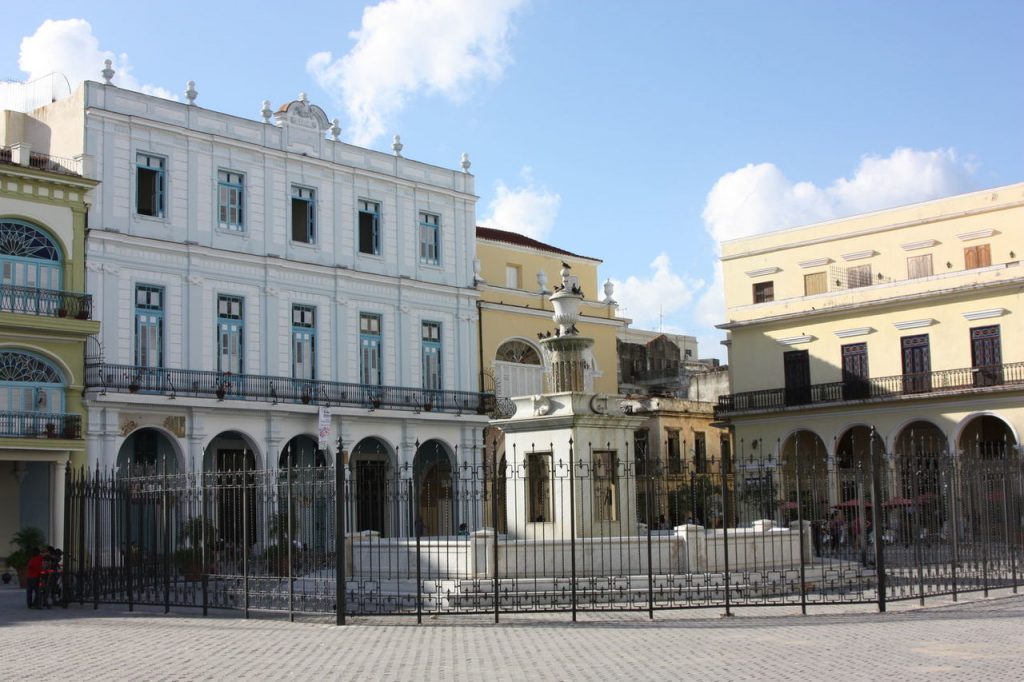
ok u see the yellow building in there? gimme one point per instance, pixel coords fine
(514, 275)
(905, 321)
(44, 324)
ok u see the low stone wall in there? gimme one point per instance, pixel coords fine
(685, 549)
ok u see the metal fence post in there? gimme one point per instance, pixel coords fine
(68, 483)
(417, 528)
(876, 516)
(954, 512)
(82, 551)
(288, 534)
(649, 515)
(205, 575)
(572, 526)
(166, 536)
(245, 531)
(725, 541)
(96, 544)
(803, 541)
(339, 536)
(127, 492)
(494, 519)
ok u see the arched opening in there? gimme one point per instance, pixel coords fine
(372, 487)
(30, 260)
(435, 489)
(921, 468)
(853, 461)
(302, 465)
(31, 394)
(804, 468)
(990, 482)
(231, 464)
(518, 369)
(147, 451)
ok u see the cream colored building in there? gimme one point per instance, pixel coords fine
(906, 321)
(516, 276)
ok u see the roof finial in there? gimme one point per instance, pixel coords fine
(265, 112)
(397, 145)
(190, 92)
(466, 163)
(107, 72)
(335, 130)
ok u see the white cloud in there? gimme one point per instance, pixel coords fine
(68, 47)
(529, 210)
(651, 300)
(407, 46)
(759, 197)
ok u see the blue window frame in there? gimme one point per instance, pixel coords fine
(303, 215)
(231, 200)
(29, 383)
(150, 184)
(149, 326)
(29, 260)
(230, 333)
(369, 227)
(431, 338)
(430, 238)
(303, 342)
(369, 349)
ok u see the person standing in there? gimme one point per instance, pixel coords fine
(34, 570)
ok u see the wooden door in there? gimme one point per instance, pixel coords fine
(987, 356)
(855, 371)
(917, 376)
(797, 366)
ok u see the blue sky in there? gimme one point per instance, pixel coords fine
(641, 133)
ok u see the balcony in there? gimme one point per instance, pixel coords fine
(44, 302)
(54, 164)
(926, 384)
(254, 387)
(40, 425)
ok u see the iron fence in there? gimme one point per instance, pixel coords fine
(557, 529)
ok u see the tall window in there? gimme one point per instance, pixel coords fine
(432, 356)
(303, 342)
(674, 463)
(986, 356)
(917, 363)
(606, 484)
(513, 276)
(796, 365)
(815, 283)
(764, 292)
(369, 349)
(855, 371)
(303, 214)
(230, 328)
(919, 266)
(858, 276)
(150, 184)
(149, 326)
(538, 491)
(230, 200)
(700, 452)
(430, 238)
(979, 256)
(369, 227)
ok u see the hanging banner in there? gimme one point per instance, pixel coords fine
(324, 426)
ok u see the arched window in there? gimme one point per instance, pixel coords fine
(28, 256)
(518, 352)
(518, 369)
(29, 384)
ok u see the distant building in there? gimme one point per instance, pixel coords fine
(258, 277)
(45, 322)
(896, 331)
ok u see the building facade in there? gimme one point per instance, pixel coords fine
(45, 321)
(893, 332)
(267, 291)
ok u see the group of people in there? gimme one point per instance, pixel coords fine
(43, 573)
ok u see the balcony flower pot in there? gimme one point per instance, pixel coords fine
(133, 387)
(82, 315)
(62, 312)
(306, 398)
(428, 406)
(220, 393)
(375, 402)
(51, 430)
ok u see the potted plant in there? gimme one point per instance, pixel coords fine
(306, 398)
(82, 314)
(24, 540)
(62, 312)
(51, 430)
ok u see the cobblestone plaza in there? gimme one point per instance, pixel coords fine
(976, 639)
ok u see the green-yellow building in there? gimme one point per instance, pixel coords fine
(45, 322)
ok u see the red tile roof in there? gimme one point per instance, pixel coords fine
(516, 239)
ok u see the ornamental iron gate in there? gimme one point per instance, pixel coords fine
(579, 528)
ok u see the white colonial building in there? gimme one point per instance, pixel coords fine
(251, 274)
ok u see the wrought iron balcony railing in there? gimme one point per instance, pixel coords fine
(40, 425)
(224, 386)
(878, 388)
(44, 302)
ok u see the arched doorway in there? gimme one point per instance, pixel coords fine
(922, 468)
(147, 451)
(435, 489)
(518, 369)
(804, 454)
(986, 437)
(853, 461)
(302, 465)
(373, 491)
(230, 464)
(990, 481)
